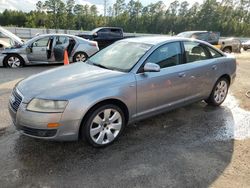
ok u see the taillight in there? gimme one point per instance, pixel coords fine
(93, 44)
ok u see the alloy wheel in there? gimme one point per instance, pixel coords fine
(106, 126)
(14, 62)
(220, 92)
(80, 57)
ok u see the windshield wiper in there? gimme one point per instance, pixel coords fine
(102, 66)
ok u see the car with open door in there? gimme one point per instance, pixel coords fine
(48, 49)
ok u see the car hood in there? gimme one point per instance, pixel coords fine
(67, 82)
(12, 36)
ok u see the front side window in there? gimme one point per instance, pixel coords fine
(41, 42)
(166, 55)
(120, 56)
(195, 52)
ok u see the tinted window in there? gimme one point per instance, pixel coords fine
(41, 42)
(201, 36)
(104, 31)
(166, 55)
(61, 40)
(195, 51)
(214, 53)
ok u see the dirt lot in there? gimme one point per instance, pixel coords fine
(194, 146)
(242, 82)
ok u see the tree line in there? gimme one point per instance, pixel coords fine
(230, 17)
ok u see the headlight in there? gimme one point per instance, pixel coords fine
(43, 105)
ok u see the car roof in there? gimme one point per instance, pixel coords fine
(55, 34)
(193, 32)
(58, 34)
(154, 40)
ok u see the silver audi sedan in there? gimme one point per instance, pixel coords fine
(130, 80)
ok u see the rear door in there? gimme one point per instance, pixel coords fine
(61, 44)
(201, 67)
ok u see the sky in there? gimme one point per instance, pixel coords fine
(27, 5)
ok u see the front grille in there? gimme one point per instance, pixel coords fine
(38, 132)
(15, 100)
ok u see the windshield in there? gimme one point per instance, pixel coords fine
(121, 56)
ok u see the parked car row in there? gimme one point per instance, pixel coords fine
(127, 81)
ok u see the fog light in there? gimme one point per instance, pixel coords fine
(53, 125)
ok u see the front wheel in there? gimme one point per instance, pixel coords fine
(219, 92)
(13, 61)
(80, 57)
(227, 50)
(104, 125)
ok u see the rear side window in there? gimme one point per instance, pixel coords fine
(201, 36)
(214, 53)
(195, 51)
(61, 40)
(166, 55)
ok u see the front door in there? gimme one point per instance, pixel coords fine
(38, 50)
(167, 88)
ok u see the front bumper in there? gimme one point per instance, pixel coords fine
(2, 56)
(34, 124)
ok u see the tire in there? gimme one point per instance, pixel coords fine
(219, 92)
(227, 50)
(13, 61)
(101, 131)
(80, 57)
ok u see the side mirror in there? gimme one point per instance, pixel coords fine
(95, 35)
(151, 67)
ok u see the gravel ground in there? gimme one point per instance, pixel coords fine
(194, 146)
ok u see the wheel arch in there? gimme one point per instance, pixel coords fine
(113, 101)
(227, 47)
(8, 54)
(227, 77)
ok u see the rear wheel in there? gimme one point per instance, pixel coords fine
(13, 61)
(80, 57)
(104, 125)
(219, 92)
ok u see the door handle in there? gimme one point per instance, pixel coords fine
(182, 74)
(214, 67)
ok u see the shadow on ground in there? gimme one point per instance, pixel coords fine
(176, 149)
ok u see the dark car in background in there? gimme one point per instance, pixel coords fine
(228, 45)
(104, 36)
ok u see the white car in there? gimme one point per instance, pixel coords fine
(46, 49)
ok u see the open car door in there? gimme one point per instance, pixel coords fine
(61, 44)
